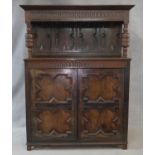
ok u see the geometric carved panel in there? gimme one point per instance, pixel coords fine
(99, 122)
(51, 86)
(55, 122)
(101, 86)
(52, 103)
(101, 94)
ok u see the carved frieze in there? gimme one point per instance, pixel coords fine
(77, 15)
(57, 63)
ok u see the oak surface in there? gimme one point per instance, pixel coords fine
(77, 75)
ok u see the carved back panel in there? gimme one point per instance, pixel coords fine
(77, 38)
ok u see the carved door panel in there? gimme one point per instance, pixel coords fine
(53, 102)
(100, 104)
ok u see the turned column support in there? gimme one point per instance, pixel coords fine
(125, 39)
(29, 39)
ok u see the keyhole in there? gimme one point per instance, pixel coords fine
(41, 47)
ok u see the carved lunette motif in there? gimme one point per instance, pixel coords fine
(77, 15)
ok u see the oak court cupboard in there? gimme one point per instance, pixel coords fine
(77, 75)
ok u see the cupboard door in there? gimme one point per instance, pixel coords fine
(53, 102)
(100, 104)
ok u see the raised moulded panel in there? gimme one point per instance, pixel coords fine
(101, 85)
(52, 104)
(101, 98)
(51, 86)
(56, 123)
(100, 123)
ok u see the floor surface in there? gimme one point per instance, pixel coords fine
(134, 146)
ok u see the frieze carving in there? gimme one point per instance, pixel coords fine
(79, 64)
(77, 15)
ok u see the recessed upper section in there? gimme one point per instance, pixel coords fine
(77, 30)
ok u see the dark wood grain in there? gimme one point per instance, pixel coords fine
(103, 87)
(77, 75)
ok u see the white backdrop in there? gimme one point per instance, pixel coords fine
(136, 79)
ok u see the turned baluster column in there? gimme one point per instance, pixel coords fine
(125, 39)
(29, 39)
